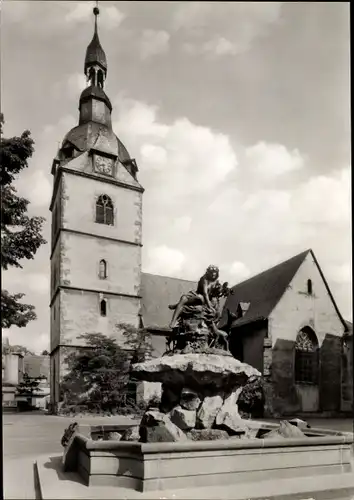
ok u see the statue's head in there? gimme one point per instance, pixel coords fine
(212, 273)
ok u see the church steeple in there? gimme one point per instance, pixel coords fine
(95, 60)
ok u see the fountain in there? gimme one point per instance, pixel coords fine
(195, 437)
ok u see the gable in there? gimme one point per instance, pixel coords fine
(298, 308)
(262, 291)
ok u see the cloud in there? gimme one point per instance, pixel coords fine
(80, 12)
(224, 29)
(35, 281)
(76, 83)
(184, 157)
(14, 12)
(242, 219)
(164, 261)
(235, 272)
(182, 224)
(153, 43)
(272, 160)
(39, 189)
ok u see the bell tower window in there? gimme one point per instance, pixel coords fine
(104, 210)
(103, 307)
(100, 78)
(309, 287)
(103, 270)
(92, 76)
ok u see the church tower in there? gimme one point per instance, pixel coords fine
(96, 225)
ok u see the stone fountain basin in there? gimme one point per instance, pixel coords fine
(165, 466)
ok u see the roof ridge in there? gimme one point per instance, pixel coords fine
(169, 277)
(269, 269)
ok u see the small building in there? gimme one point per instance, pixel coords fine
(14, 366)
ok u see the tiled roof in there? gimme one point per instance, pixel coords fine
(95, 135)
(263, 291)
(157, 293)
(95, 53)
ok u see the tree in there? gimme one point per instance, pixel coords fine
(7, 349)
(20, 234)
(99, 375)
(29, 385)
(45, 353)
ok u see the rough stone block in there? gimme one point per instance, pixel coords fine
(207, 434)
(157, 427)
(114, 436)
(131, 434)
(228, 417)
(184, 419)
(189, 399)
(169, 398)
(285, 430)
(208, 410)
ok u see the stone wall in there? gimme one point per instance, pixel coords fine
(80, 313)
(330, 373)
(297, 309)
(347, 375)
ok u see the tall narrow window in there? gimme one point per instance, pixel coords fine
(306, 357)
(103, 307)
(104, 210)
(100, 78)
(309, 287)
(103, 270)
(92, 76)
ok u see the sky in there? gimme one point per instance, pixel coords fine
(238, 115)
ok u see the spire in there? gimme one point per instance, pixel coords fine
(95, 60)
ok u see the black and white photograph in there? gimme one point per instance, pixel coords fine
(176, 250)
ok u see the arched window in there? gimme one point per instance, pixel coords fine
(92, 76)
(104, 210)
(309, 287)
(306, 357)
(102, 270)
(103, 307)
(100, 78)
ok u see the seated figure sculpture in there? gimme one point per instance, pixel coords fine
(200, 297)
(198, 313)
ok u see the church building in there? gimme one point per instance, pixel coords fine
(287, 324)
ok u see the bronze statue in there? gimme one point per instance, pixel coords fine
(198, 298)
(196, 315)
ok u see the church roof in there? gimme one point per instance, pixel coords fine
(158, 293)
(98, 93)
(264, 291)
(95, 135)
(95, 53)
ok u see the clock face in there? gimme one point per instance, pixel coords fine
(103, 165)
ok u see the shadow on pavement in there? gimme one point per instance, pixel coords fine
(55, 463)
